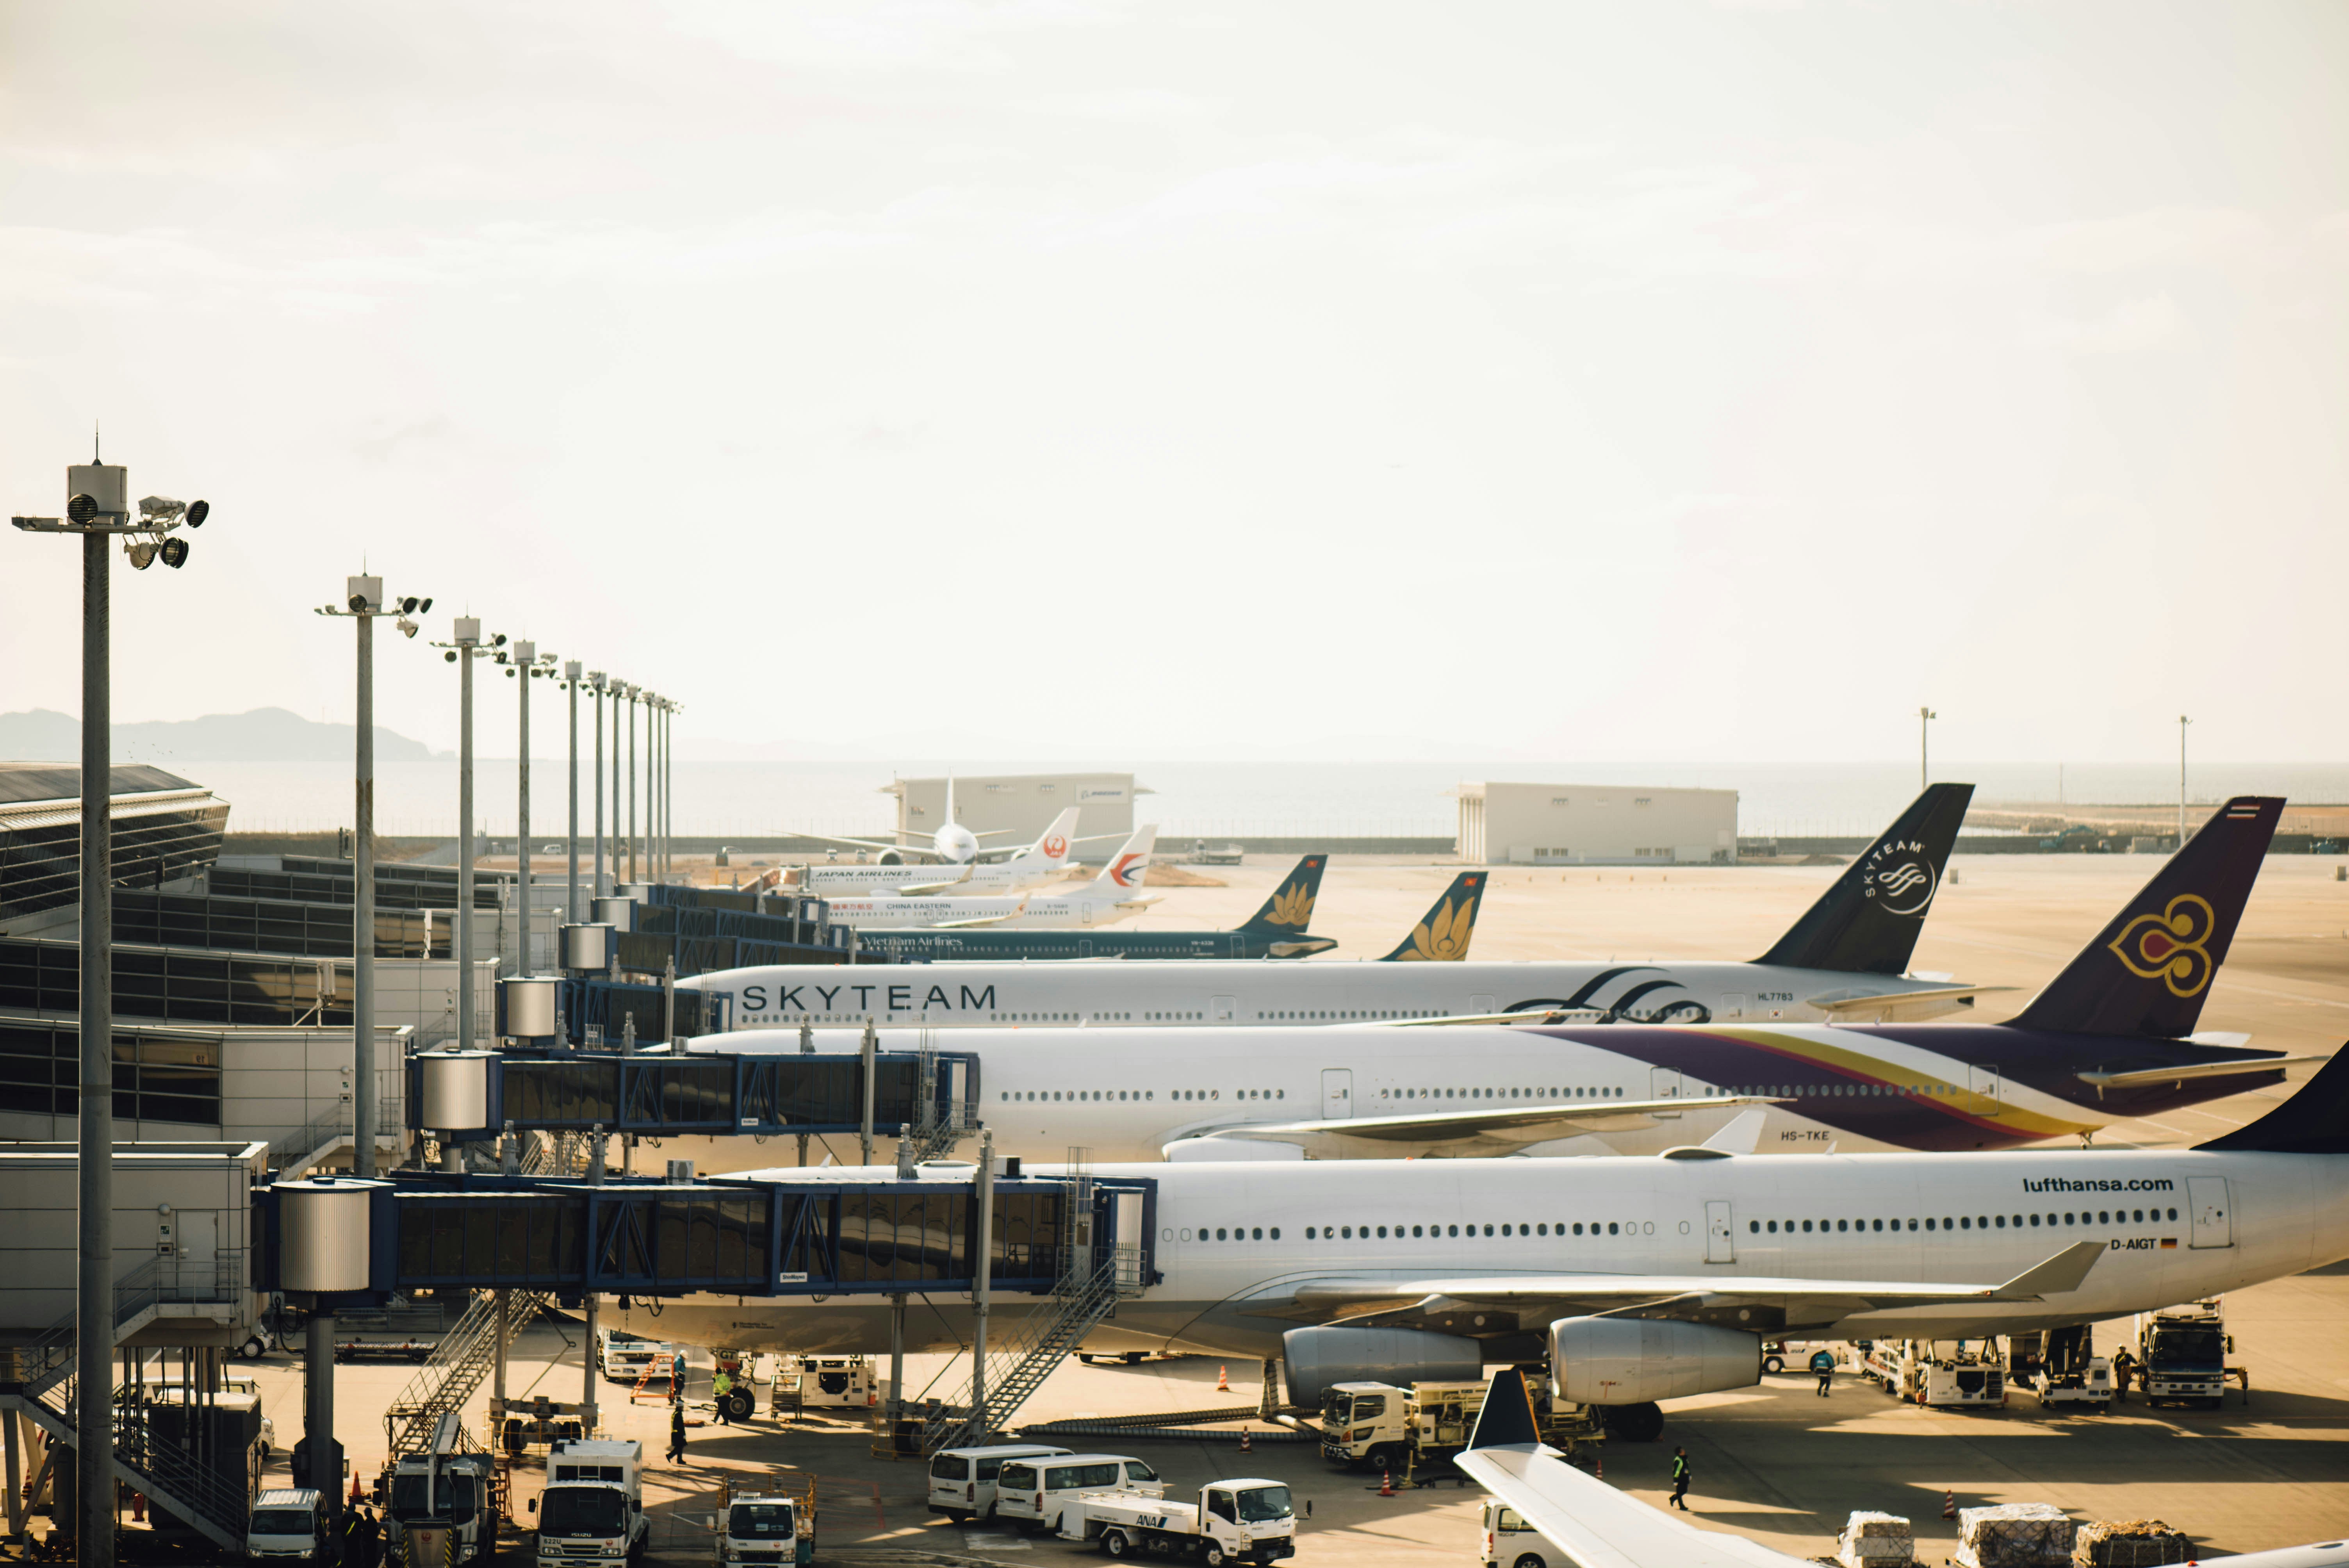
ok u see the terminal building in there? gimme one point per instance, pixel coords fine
(1021, 806)
(1595, 825)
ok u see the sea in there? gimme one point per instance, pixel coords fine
(1208, 800)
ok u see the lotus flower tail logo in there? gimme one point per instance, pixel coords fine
(1444, 936)
(2168, 946)
(1292, 905)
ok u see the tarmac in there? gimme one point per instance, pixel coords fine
(1773, 1462)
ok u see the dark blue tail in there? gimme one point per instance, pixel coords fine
(1867, 923)
(2313, 1121)
(2148, 972)
(1291, 907)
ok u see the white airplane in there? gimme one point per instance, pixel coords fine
(1842, 961)
(1595, 1526)
(1108, 898)
(1636, 1279)
(2110, 1038)
(1034, 866)
(952, 844)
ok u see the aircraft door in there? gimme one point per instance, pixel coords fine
(1733, 1006)
(1665, 1083)
(1337, 1093)
(1223, 1009)
(2214, 1226)
(1239, 945)
(1719, 1232)
(1983, 1081)
(1085, 947)
(1480, 1005)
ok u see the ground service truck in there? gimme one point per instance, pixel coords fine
(442, 1505)
(593, 1509)
(766, 1523)
(1381, 1426)
(2182, 1352)
(1233, 1522)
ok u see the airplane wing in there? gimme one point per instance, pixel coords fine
(1492, 1128)
(1301, 947)
(920, 890)
(2228, 1068)
(1591, 1522)
(1843, 1004)
(975, 919)
(864, 843)
(1757, 1303)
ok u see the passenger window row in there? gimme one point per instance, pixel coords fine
(1233, 1233)
(1381, 1232)
(1501, 1094)
(1963, 1222)
(1339, 1015)
(1103, 1094)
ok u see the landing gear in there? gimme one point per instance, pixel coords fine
(1634, 1423)
(737, 1405)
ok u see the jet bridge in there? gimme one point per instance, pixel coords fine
(743, 1236)
(469, 1095)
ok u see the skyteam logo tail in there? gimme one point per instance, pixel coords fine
(1444, 936)
(1292, 905)
(2148, 972)
(1868, 922)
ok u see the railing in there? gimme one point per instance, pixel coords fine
(179, 1483)
(457, 1367)
(1056, 1326)
(217, 1278)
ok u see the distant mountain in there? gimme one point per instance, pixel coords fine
(265, 735)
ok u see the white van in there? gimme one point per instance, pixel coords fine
(962, 1480)
(1045, 1491)
(622, 1358)
(287, 1525)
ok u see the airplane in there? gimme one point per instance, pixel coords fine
(1106, 899)
(1638, 1279)
(1591, 1523)
(2107, 1039)
(1277, 930)
(952, 844)
(1842, 958)
(1034, 866)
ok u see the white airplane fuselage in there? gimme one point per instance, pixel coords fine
(1233, 1240)
(1139, 992)
(1081, 909)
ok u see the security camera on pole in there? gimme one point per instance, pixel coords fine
(363, 605)
(98, 508)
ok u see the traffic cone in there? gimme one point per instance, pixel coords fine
(1386, 1483)
(1599, 1467)
(1949, 1504)
(1244, 1446)
(1223, 1380)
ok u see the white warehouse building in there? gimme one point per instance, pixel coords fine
(1595, 825)
(1018, 807)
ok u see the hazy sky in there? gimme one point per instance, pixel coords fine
(1054, 378)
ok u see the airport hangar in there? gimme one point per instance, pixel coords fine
(1595, 825)
(1021, 806)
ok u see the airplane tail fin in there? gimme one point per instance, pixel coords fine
(1291, 907)
(2148, 972)
(1868, 922)
(1053, 845)
(1130, 866)
(2313, 1121)
(1444, 930)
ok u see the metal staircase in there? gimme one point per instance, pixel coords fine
(937, 1133)
(457, 1368)
(38, 1379)
(1057, 1325)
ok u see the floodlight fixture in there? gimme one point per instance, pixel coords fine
(174, 552)
(450, 656)
(358, 603)
(408, 605)
(197, 511)
(407, 627)
(498, 641)
(82, 508)
(161, 507)
(141, 553)
(426, 608)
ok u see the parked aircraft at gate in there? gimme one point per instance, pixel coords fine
(1843, 959)
(1032, 867)
(2111, 1037)
(1636, 1279)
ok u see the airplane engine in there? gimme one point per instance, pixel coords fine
(888, 858)
(1314, 1358)
(1636, 1361)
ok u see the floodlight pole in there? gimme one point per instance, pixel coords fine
(462, 646)
(632, 783)
(596, 686)
(570, 888)
(98, 509)
(618, 690)
(525, 658)
(2182, 722)
(94, 1289)
(363, 914)
(669, 786)
(1925, 717)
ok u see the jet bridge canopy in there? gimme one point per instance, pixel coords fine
(750, 1236)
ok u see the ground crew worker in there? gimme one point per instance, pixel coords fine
(1823, 1363)
(356, 1531)
(721, 1385)
(1680, 1480)
(677, 1429)
(2124, 1368)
